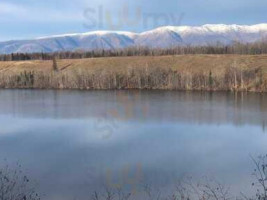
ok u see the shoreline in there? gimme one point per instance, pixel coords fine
(136, 90)
(211, 73)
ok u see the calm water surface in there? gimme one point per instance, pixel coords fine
(71, 143)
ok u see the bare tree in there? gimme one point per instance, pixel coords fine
(55, 67)
(152, 193)
(260, 174)
(205, 189)
(14, 185)
(111, 194)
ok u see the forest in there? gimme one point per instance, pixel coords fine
(256, 48)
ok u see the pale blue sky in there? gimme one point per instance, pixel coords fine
(21, 19)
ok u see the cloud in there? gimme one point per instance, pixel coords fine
(27, 13)
(53, 16)
(10, 9)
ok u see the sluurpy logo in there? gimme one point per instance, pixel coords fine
(109, 122)
(135, 18)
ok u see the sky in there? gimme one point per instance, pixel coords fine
(28, 19)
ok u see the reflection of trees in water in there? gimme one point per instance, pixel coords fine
(200, 107)
(123, 109)
(194, 107)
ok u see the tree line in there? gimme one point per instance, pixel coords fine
(232, 79)
(236, 48)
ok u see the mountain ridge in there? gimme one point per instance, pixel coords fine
(162, 37)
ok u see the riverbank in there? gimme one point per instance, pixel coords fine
(181, 72)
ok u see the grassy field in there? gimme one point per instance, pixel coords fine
(181, 72)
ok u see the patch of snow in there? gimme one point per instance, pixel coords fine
(99, 33)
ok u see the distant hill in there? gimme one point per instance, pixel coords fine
(163, 37)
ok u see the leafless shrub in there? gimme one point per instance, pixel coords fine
(232, 79)
(260, 174)
(152, 193)
(111, 194)
(14, 185)
(205, 189)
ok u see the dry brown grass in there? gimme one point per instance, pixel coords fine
(200, 72)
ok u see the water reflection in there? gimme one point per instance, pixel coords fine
(196, 107)
(75, 142)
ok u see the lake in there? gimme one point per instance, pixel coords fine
(72, 143)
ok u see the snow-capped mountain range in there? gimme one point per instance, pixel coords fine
(163, 37)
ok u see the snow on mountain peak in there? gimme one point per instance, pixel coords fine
(163, 37)
(97, 33)
(219, 28)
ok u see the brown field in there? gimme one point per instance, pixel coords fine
(181, 72)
